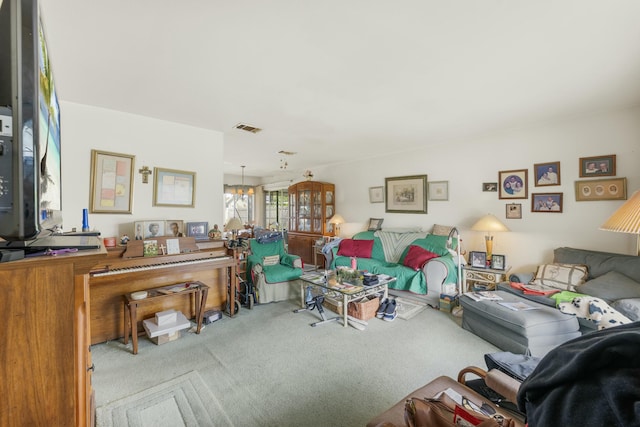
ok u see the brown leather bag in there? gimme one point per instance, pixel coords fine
(436, 413)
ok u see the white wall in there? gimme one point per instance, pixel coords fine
(468, 164)
(155, 143)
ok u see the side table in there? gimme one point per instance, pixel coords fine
(485, 276)
(317, 251)
(198, 289)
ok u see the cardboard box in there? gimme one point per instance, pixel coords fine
(167, 317)
(165, 338)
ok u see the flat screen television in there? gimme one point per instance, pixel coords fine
(30, 156)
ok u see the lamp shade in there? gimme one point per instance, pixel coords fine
(233, 224)
(489, 223)
(627, 218)
(336, 219)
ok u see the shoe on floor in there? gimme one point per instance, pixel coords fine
(382, 308)
(390, 312)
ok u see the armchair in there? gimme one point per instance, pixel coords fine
(274, 272)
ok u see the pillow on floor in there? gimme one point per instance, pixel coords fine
(561, 276)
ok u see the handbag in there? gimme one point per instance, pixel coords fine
(438, 413)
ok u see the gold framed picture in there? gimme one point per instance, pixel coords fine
(513, 184)
(406, 194)
(173, 188)
(601, 189)
(111, 182)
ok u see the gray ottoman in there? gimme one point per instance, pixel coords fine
(532, 332)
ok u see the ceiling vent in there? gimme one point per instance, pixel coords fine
(248, 128)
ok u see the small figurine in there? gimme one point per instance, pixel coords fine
(124, 239)
(215, 232)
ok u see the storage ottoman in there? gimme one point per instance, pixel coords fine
(533, 332)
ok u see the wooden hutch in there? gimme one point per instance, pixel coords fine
(311, 205)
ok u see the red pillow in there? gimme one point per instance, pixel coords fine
(417, 257)
(356, 248)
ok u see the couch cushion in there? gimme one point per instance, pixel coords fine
(280, 273)
(610, 287)
(356, 248)
(560, 276)
(600, 263)
(417, 257)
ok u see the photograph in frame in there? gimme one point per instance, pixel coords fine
(174, 228)
(198, 230)
(601, 189)
(513, 211)
(513, 184)
(478, 259)
(152, 229)
(498, 262)
(490, 186)
(438, 190)
(375, 224)
(376, 194)
(546, 202)
(111, 182)
(597, 166)
(546, 174)
(173, 188)
(406, 194)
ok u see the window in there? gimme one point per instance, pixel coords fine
(239, 202)
(276, 209)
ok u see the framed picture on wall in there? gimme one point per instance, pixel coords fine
(601, 189)
(513, 184)
(406, 194)
(546, 202)
(111, 182)
(376, 194)
(514, 211)
(547, 173)
(173, 188)
(438, 190)
(598, 166)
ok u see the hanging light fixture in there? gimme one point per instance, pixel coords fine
(244, 190)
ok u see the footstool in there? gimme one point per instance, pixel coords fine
(533, 332)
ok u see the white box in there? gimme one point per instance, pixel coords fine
(153, 330)
(167, 317)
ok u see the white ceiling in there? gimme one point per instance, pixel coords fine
(344, 78)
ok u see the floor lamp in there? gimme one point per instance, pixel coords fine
(626, 219)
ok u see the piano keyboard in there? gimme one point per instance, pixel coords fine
(137, 268)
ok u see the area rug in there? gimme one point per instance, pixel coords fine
(407, 309)
(182, 401)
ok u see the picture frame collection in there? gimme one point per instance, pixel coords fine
(478, 259)
(150, 229)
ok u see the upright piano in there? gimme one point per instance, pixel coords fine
(127, 271)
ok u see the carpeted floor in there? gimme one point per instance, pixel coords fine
(268, 367)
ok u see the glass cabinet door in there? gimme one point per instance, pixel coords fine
(293, 212)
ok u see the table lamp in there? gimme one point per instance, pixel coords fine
(626, 219)
(336, 220)
(489, 223)
(233, 225)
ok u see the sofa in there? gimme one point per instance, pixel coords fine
(274, 272)
(420, 261)
(610, 277)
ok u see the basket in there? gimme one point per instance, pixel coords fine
(364, 309)
(333, 305)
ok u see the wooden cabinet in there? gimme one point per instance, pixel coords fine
(311, 205)
(45, 359)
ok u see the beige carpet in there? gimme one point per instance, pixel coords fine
(182, 401)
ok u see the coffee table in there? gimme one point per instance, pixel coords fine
(348, 292)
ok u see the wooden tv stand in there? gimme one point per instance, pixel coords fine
(45, 361)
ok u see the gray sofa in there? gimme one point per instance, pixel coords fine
(614, 278)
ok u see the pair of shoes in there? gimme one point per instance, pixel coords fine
(390, 312)
(382, 308)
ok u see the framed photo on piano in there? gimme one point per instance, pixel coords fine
(199, 230)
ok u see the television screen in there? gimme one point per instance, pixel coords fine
(30, 156)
